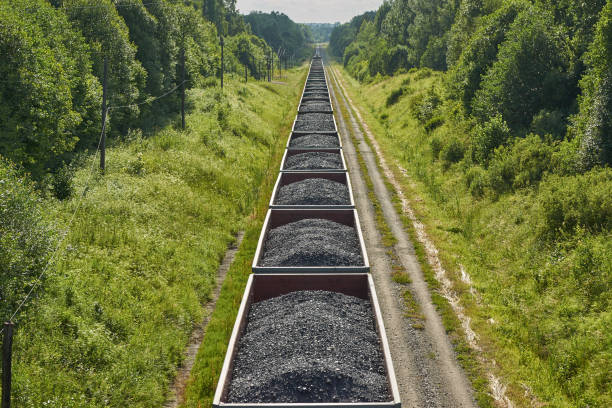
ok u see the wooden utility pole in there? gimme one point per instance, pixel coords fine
(246, 74)
(183, 90)
(7, 357)
(103, 137)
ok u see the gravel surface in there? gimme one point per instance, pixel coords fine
(315, 140)
(313, 161)
(309, 346)
(312, 242)
(315, 106)
(314, 191)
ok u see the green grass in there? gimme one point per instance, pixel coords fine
(548, 339)
(140, 260)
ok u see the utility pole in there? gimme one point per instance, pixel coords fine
(183, 90)
(246, 75)
(7, 357)
(104, 109)
(222, 62)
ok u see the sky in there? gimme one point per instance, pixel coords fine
(312, 11)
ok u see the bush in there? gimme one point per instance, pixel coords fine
(436, 147)
(453, 151)
(424, 106)
(476, 180)
(395, 96)
(582, 201)
(488, 137)
(26, 240)
(549, 123)
(434, 123)
(520, 165)
(61, 182)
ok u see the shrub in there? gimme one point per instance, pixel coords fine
(26, 240)
(549, 123)
(453, 151)
(61, 182)
(436, 147)
(572, 202)
(476, 180)
(424, 106)
(520, 165)
(395, 96)
(434, 123)
(488, 137)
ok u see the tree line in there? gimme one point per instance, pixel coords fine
(53, 54)
(514, 67)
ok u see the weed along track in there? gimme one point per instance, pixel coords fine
(309, 330)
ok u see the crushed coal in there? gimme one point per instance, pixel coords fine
(313, 161)
(313, 191)
(315, 117)
(315, 125)
(309, 346)
(315, 140)
(315, 106)
(312, 242)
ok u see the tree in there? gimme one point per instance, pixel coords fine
(528, 75)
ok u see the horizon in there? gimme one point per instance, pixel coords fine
(340, 11)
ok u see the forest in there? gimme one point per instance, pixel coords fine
(53, 65)
(502, 110)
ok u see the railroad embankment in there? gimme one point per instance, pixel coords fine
(525, 244)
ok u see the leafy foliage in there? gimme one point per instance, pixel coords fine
(26, 239)
(280, 32)
(48, 97)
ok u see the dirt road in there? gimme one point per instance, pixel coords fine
(425, 364)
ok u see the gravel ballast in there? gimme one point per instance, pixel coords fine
(309, 346)
(312, 242)
(315, 140)
(313, 161)
(314, 191)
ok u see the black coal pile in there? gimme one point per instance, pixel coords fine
(313, 191)
(315, 117)
(315, 140)
(312, 242)
(313, 161)
(315, 106)
(324, 95)
(314, 126)
(309, 346)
